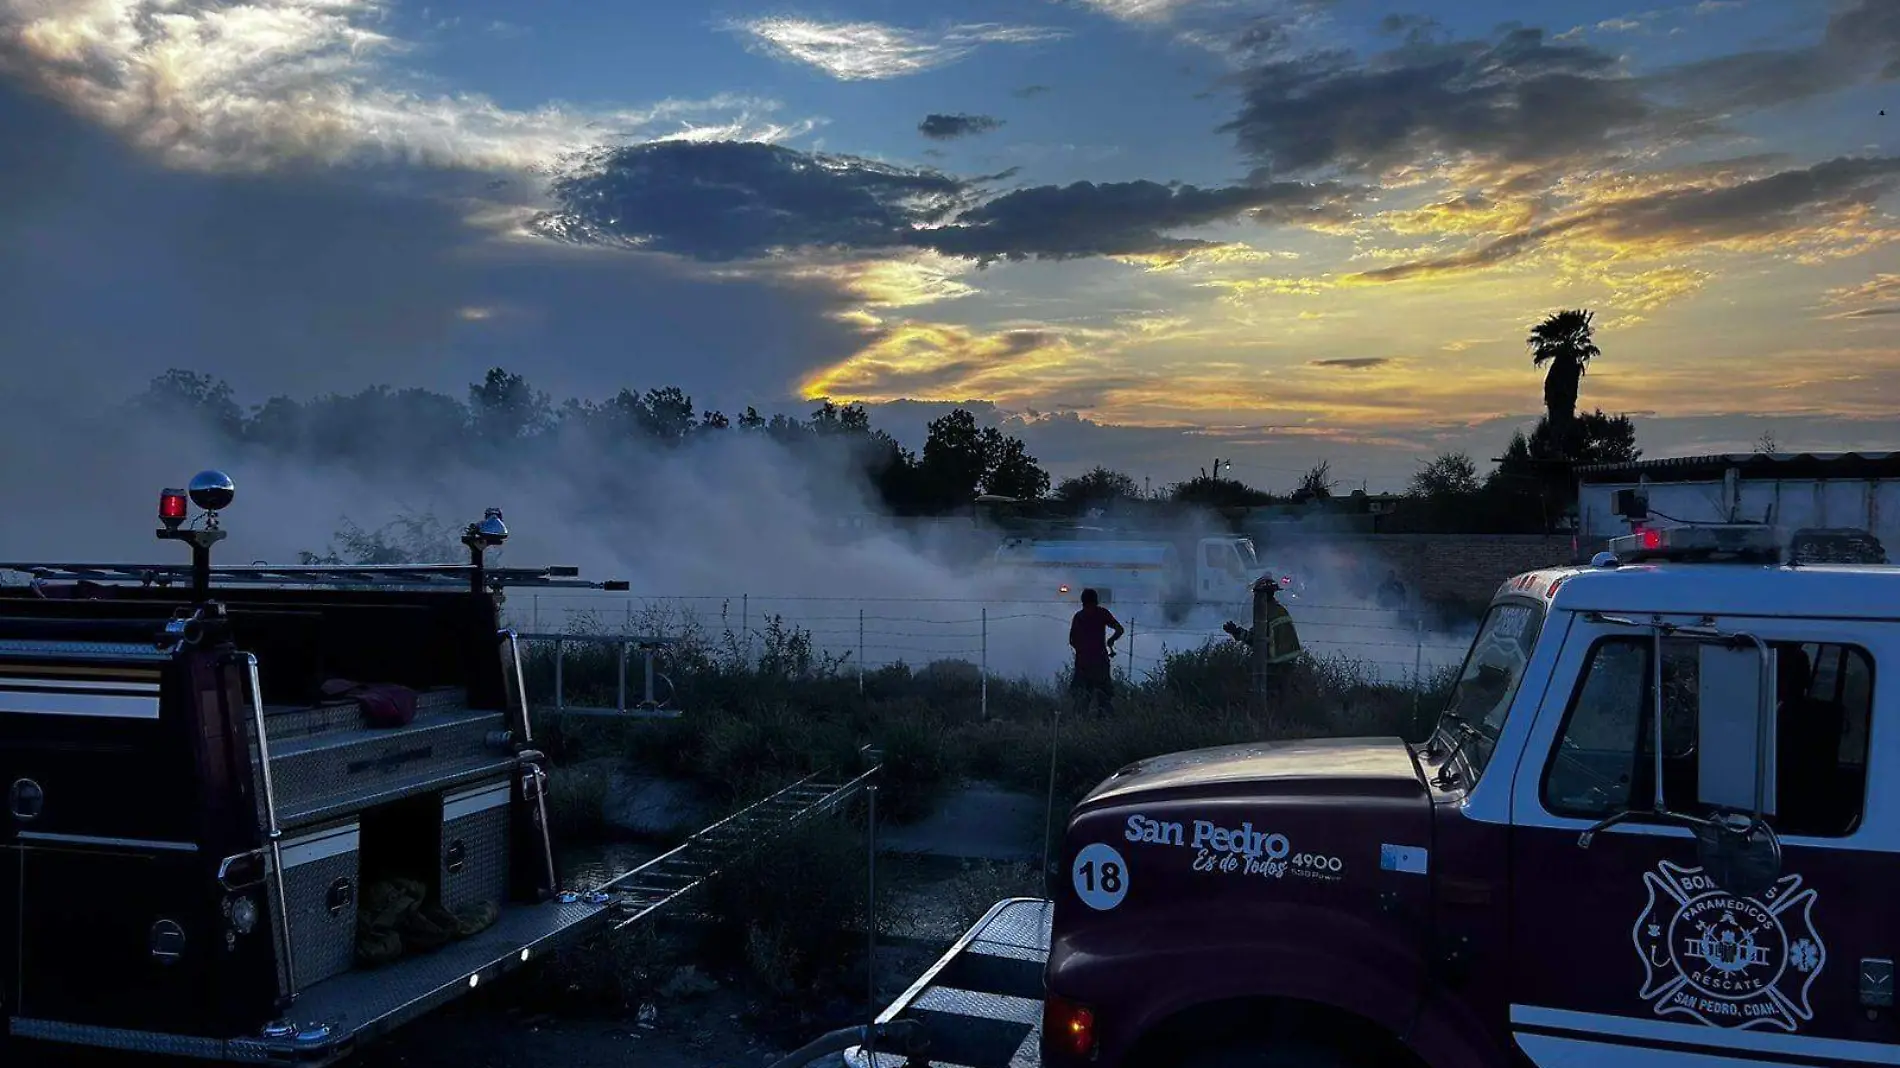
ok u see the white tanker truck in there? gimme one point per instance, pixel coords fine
(1177, 575)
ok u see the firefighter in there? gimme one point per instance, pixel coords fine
(1093, 680)
(1275, 644)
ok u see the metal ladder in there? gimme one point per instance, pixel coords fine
(666, 878)
(651, 705)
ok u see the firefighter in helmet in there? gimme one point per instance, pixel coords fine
(1275, 644)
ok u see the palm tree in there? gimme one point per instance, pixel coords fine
(1566, 342)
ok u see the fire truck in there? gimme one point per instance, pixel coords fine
(1646, 830)
(265, 814)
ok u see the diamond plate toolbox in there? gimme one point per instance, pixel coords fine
(320, 882)
(336, 771)
(475, 844)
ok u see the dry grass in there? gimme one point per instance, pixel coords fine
(754, 724)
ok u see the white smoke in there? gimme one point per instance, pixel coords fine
(732, 529)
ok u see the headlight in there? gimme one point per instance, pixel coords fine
(243, 915)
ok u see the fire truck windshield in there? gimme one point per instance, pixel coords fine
(1249, 560)
(1493, 670)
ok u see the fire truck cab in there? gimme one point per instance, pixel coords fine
(211, 797)
(1657, 824)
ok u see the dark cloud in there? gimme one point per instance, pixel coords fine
(1784, 205)
(1520, 99)
(725, 201)
(1517, 99)
(951, 127)
(1028, 91)
(1862, 40)
(1120, 218)
(728, 200)
(116, 269)
(1354, 363)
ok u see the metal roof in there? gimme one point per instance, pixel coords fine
(1830, 591)
(390, 576)
(1764, 465)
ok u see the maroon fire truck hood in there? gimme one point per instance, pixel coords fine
(1331, 767)
(1267, 869)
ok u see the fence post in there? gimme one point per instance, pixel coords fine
(745, 625)
(1418, 665)
(985, 666)
(620, 679)
(560, 656)
(860, 652)
(537, 614)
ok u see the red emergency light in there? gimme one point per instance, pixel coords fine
(1652, 538)
(1068, 1026)
(172, 505)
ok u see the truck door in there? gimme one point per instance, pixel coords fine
(1628, 951)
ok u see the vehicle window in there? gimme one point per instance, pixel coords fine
(1489, 680)
(1249, 559)
(1605, 762)
(1211, 553)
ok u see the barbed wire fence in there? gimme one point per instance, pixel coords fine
(869, 634)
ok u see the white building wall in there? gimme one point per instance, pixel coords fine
(1865, 504)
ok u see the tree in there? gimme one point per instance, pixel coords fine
(961, 458)
(1316, 484)
(832, 420)
(751, 420)
(955, 459)
(1595, 438)
(1013, 472)
(1566, 342)
(503, 407)
(199, 398)
(1447, 475)
(1212, 491)
(406, 539)
(665, 415)
(1099, 487)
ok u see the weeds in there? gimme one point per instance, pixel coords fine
(577, 801)
(765, 708)
(764, 711)
(790, 914)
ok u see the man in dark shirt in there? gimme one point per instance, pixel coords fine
(1092, 679)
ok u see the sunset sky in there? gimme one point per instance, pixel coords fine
(1148, 231)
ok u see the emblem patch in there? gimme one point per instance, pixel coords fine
(1728, 961)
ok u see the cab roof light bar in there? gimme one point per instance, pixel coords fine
(1728, 541)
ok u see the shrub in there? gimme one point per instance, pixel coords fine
(759, 714)
(577, 801)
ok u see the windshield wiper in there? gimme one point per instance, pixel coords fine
(1464, 726)
(1466, 732)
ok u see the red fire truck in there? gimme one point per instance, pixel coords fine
(221, 783)
(1656, 825)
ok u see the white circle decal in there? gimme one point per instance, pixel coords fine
(1101, 876)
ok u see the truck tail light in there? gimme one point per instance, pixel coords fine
(1068, 1027)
